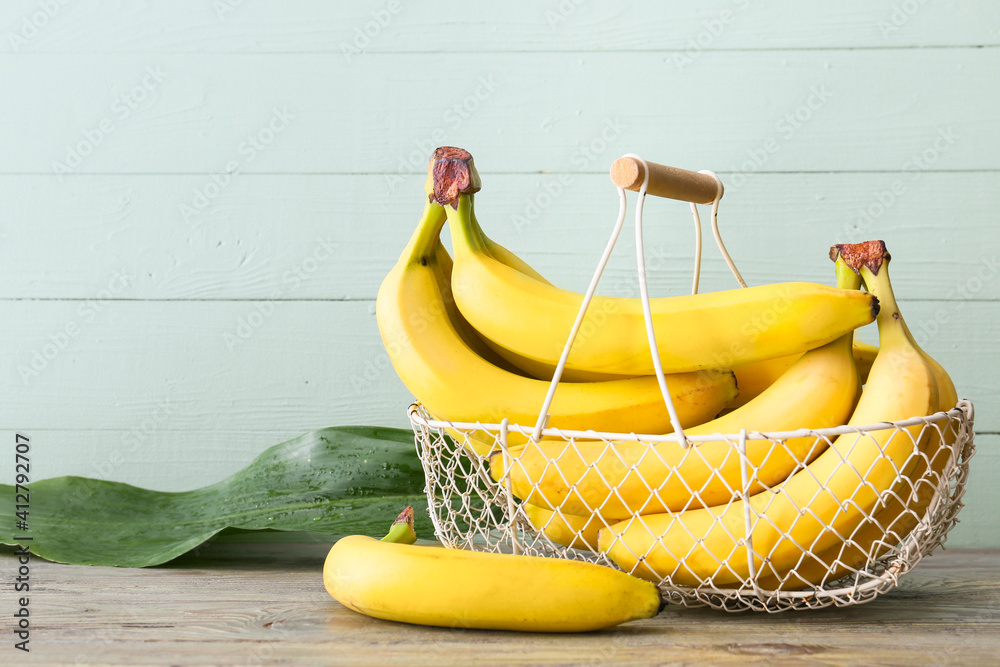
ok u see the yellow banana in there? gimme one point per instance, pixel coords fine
(506, 257)
(755, 377)
(751, 378)
(588, 477)
(569, 530)
(864, 357)
(430, 585)
(532, 367)
(456, 383)
(442, 274)
(477, 443)
(712, 330)
(904, 505)
(814, 508)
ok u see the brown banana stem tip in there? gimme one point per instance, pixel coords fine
(454, 174)
(856, 255)
(406, 516)
(870, 253)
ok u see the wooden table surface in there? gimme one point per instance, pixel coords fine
(253, 604)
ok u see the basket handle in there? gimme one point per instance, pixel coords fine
(696, 187)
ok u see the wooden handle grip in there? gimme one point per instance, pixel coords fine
(664, 181)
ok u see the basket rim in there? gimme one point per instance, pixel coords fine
(963, 410)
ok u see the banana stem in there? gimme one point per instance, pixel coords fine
(871, 261)
(402, 531)
(451, 173)
(422, 247)
(847, 278)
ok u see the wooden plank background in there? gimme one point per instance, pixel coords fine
(201, 197)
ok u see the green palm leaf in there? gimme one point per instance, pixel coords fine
(343, 480)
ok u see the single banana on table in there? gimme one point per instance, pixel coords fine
(457, 383)
(397, 580)
(531, 320)
(588, 477)
(814, 508)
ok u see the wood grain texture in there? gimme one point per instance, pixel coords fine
(150, 456)
(307, 365)
(239, 365)
(317, 26)
(334, 237)
(808, 110)
(244, 603)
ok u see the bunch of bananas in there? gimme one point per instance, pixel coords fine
(477, 338)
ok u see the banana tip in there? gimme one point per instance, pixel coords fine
(406, 516)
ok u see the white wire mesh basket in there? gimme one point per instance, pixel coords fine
(471, 510)
(736, 556)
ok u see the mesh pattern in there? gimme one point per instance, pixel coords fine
(840, 537)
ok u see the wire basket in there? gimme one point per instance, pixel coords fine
(470, 510)
(747, 566)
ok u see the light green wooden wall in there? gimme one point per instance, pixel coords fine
(192, 317)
